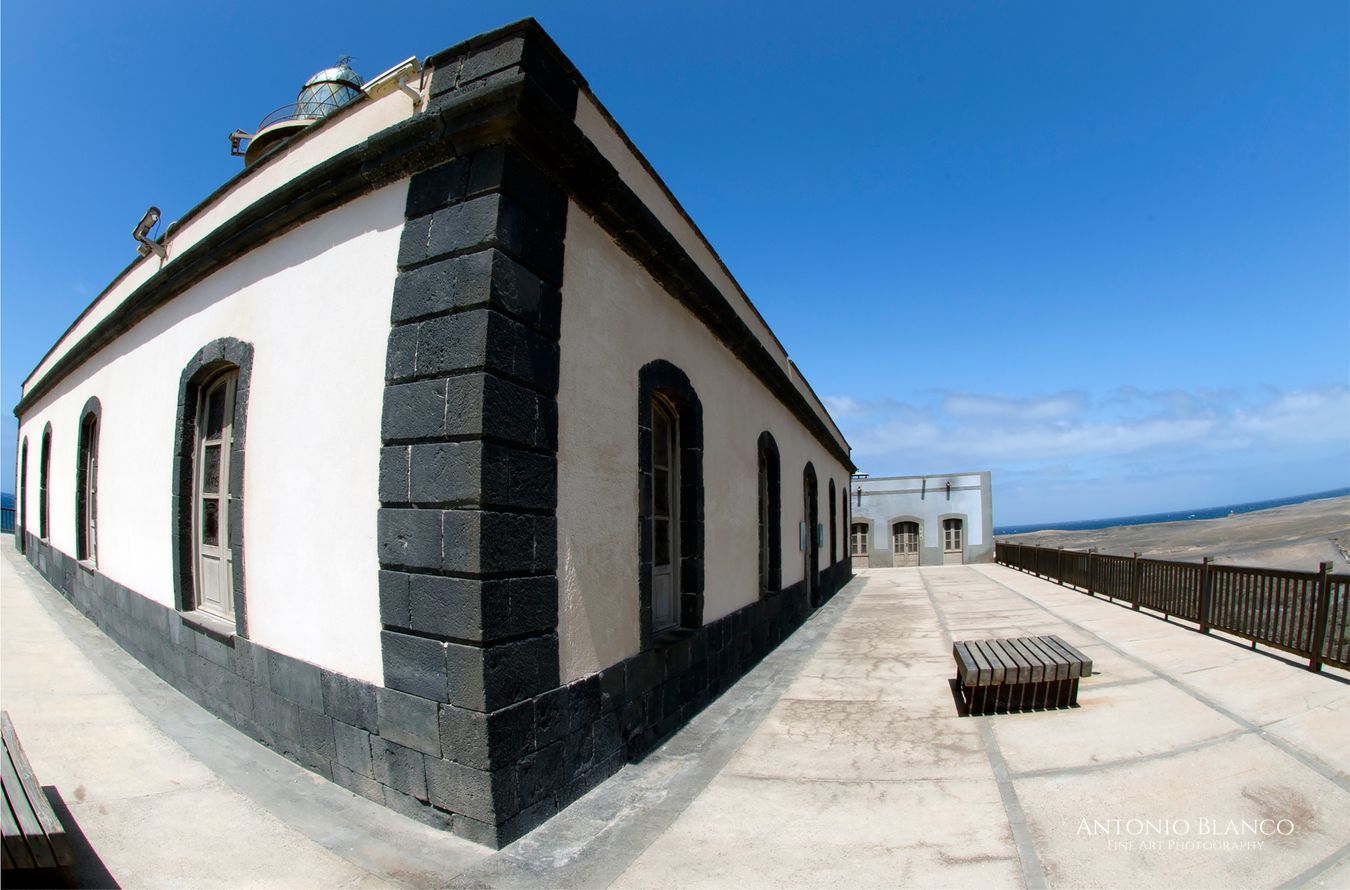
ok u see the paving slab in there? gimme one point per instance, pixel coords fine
(1112, 723)
(758, 832)
(1236, 814)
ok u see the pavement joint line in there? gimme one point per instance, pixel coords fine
(1033, 871)
(1304, 878)
(1116, 684)
(1325, 770)
(1131, 761)
(944, 780)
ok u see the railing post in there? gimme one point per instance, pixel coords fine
(1134, 582)
(1091, 564)
(1204, 596)
(1321, 616)
(1059, 566)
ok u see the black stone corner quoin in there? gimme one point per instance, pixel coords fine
(211, 359)
(467, 530)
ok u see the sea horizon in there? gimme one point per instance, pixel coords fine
(7, 501)
(1170, 516)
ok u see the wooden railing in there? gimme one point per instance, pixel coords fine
(1304, 613)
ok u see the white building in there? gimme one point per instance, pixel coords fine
(437, 448)
(943, 519)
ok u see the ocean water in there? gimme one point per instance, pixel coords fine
(1177, 516)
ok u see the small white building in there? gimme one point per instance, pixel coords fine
(942, 519)
(437, 449)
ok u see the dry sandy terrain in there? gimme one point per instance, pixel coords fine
(1297, 537)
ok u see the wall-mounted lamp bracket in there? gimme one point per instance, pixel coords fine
(410, 90)
(141, 233)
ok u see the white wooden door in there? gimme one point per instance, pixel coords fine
(211, 516)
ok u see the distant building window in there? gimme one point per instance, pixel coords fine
(905, 538)
(44, 479)
(86, 484)
(951, 535)
(770, 516)
(859, 539)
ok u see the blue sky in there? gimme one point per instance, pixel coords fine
(1102, 249)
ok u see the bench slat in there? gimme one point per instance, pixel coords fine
(13, 839)
(995, 663)
(29, 826)
(1072, 655)
(1056, 666)
(985, 674)
(44, 833)
(1019, 670)
(1084, 663)
(966, 665)
(1073, 666)
(1033, 658)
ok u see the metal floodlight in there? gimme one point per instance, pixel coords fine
(142, 235)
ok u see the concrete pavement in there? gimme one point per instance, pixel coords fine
(864, 775)
(840, 760)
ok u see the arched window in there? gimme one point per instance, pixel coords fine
(208, 503)
(905, 538)
(770, 516)
(670, 508)
(86, 483)
(833, 551)
(858, 539)
(23, 497)
(44, 479)
(952, 535)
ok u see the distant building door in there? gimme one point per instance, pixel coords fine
(905, 543)
(953, 542)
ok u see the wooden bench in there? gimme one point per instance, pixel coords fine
(33, 837)
(1019, 674)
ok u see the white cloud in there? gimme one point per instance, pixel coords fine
(1041, 408)
(946, 430)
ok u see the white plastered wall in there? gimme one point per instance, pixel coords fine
(315, 304)
(615, 319)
